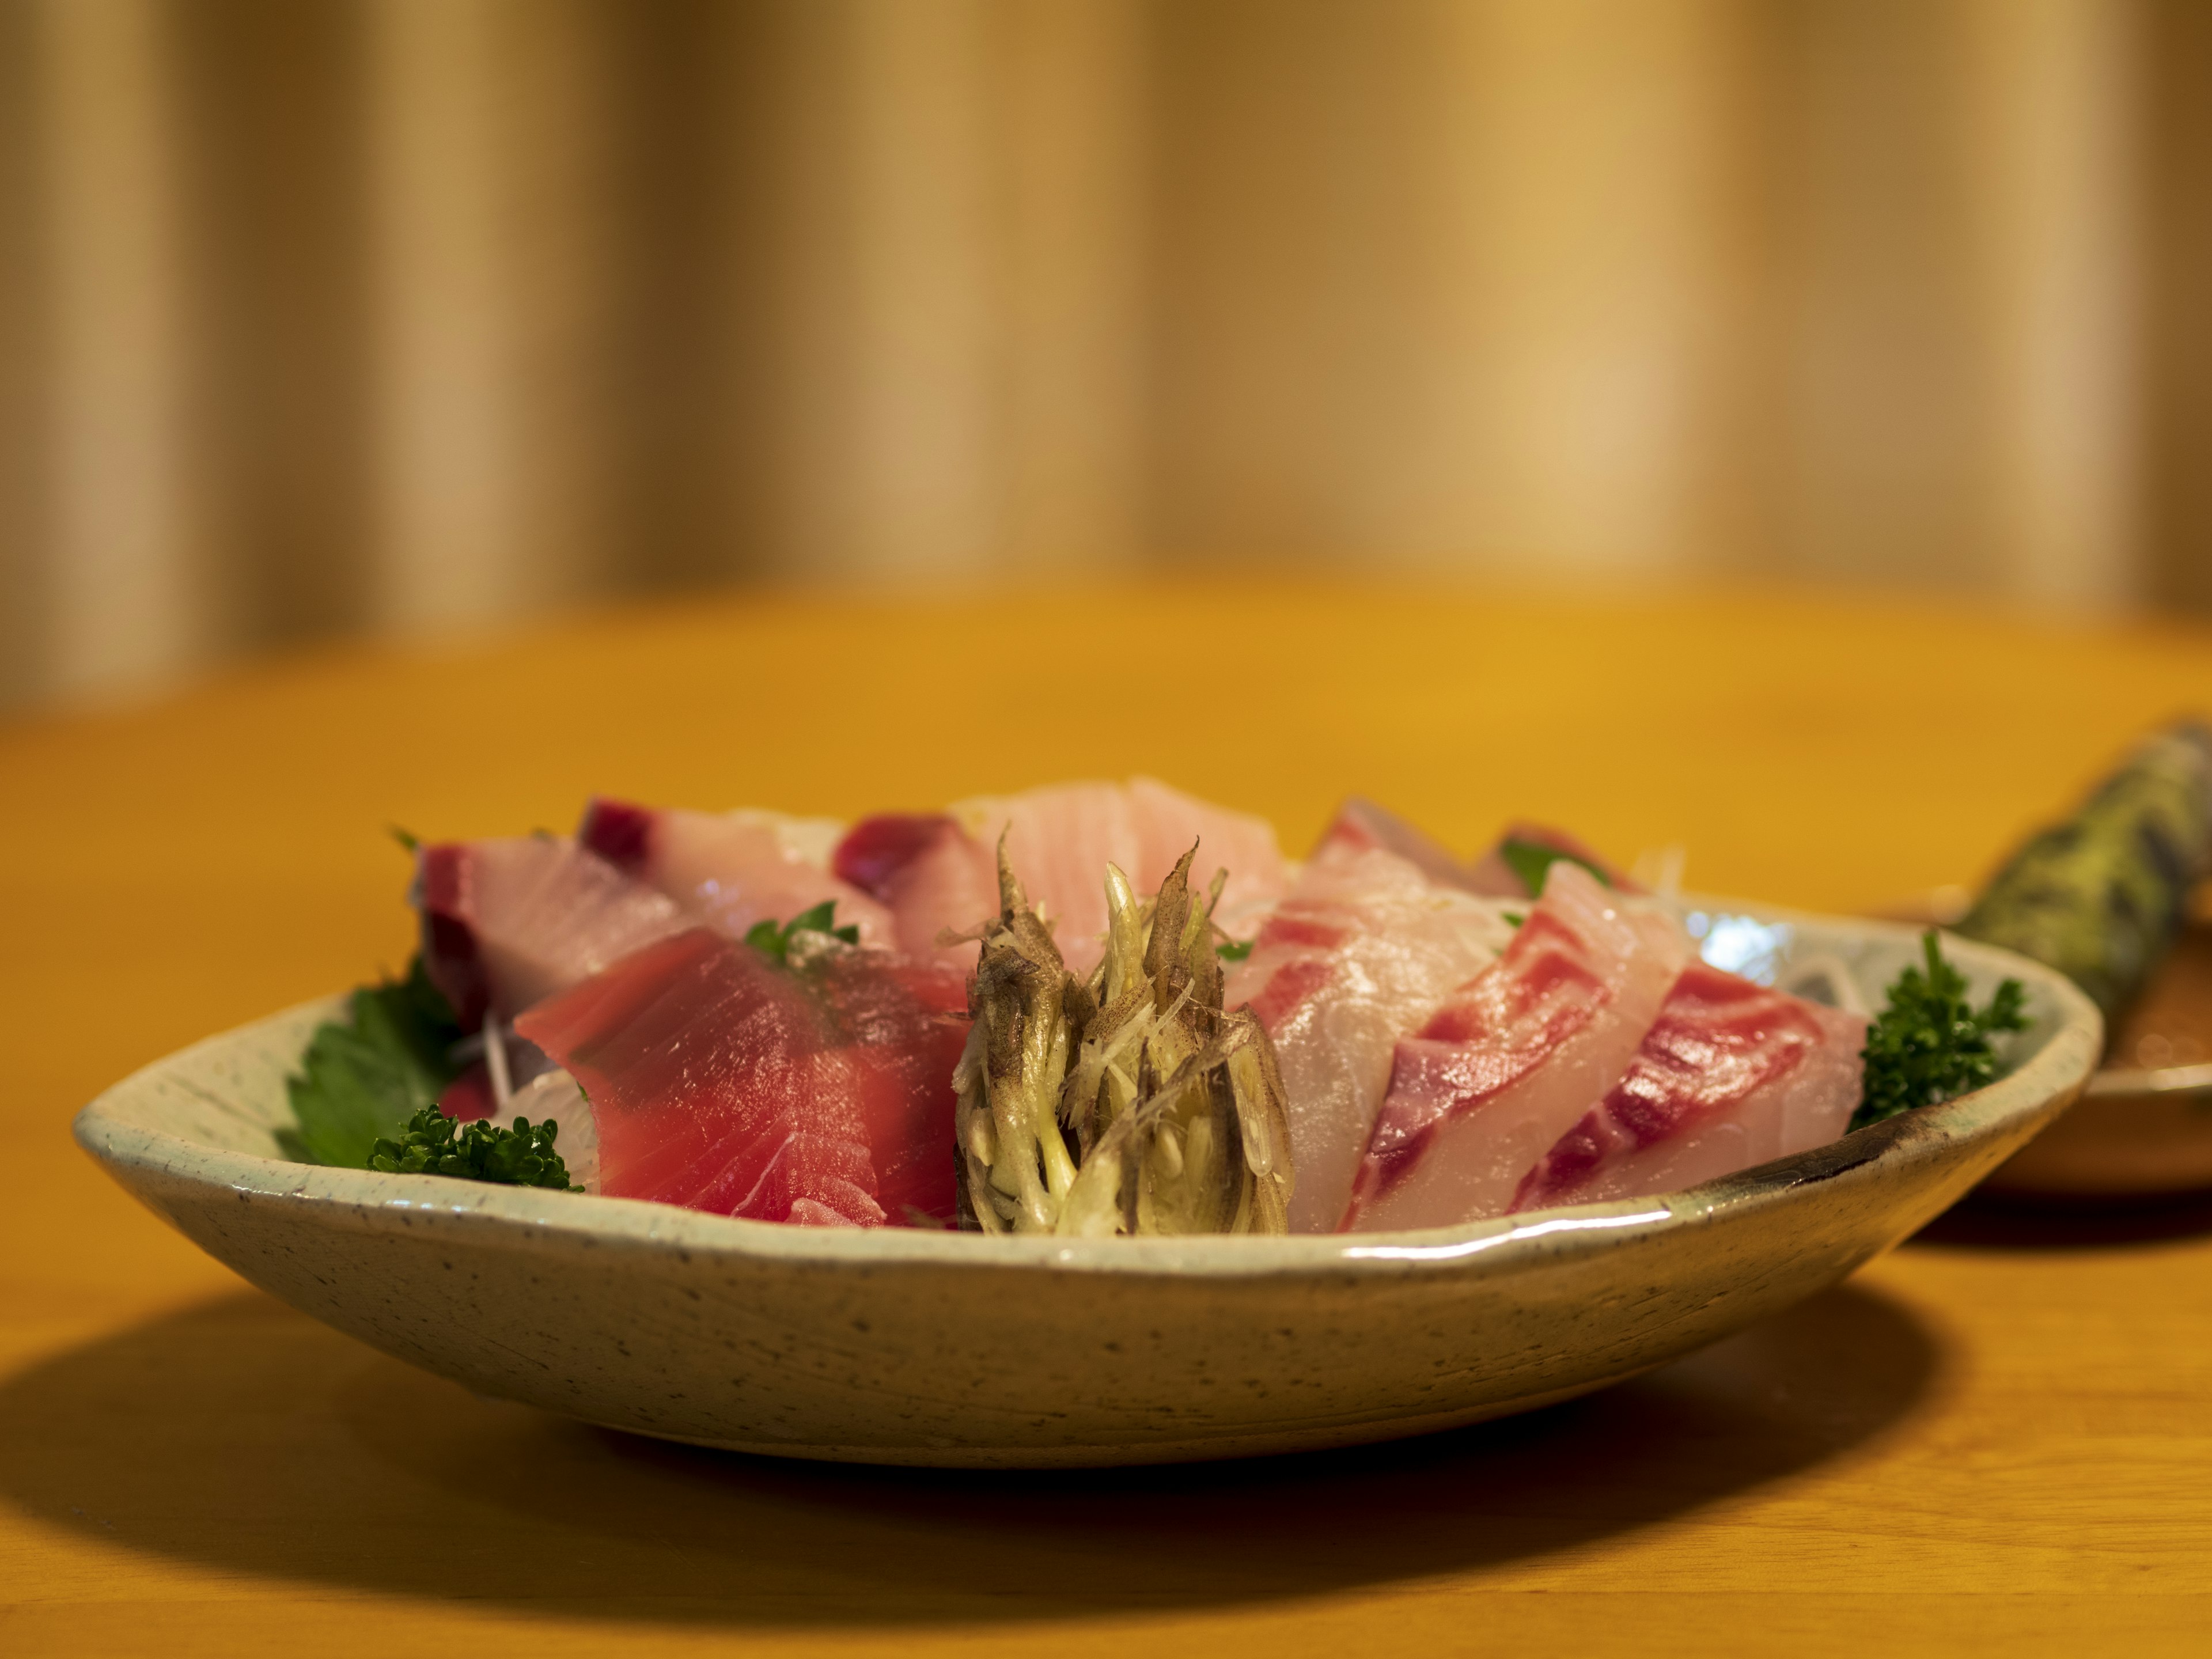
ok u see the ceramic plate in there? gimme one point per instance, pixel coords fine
(900, 1346)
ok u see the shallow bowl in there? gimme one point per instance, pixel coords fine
(902, 1346)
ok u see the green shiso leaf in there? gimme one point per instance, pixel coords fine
(433, 1144)
(1233, 949)
(362, 1080)
(1532, 861)
(1930, 1043)
(775, 941)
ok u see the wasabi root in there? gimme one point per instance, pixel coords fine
(2101, 897)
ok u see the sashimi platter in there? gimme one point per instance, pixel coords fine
(1040, 1015)
(1084, 1126)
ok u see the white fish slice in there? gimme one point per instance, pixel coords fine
(1364, 948)
(1509, 1064)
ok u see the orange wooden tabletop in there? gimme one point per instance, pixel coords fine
(1997, 1439)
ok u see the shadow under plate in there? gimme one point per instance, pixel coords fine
(242, 1436)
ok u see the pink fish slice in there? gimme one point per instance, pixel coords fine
(1508, 1065)
(729, 870)
(1365, 947)
(1729, 1075)
(507, 923)
(935, 879)
(938, 872)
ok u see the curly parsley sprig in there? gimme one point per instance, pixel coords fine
(433, 1144)
(1930, 1043)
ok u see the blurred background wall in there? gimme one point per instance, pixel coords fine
(331, 315)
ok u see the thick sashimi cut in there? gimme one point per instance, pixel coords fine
(731, 869)
(933, 876)
(722, 1079)
(815, 1178)
(1360, 824)
(507, 922)
(1059, 840)
(1169, 822)
(1494, 873)
(1510, 1062)
(1361, 950)
(872, 853)
(698, 1057)
(904, 1023)
(938, 872)
(1729, 1075)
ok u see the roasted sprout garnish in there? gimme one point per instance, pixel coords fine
(1131, 1102)
(1016, 1169)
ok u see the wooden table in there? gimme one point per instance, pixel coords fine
(2000, 1438)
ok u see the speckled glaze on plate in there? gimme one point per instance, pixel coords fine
(900, 1346)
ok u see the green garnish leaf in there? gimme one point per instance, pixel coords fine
(433, 1144)
(1532, 861)
(1931, 1044)
(1513, 918)
(362, 1080)
(407, 838)
(1233, 949)
(820, 919)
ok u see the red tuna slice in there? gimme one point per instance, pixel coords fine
(933, 877)
(1731, 1074)
(1516, 1057)
(1362, 950)
(904, 1023)
(1360, 824)
(1491, 873)
(728, 869)
(507, 922)
(722, 1080)
(939, 873)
